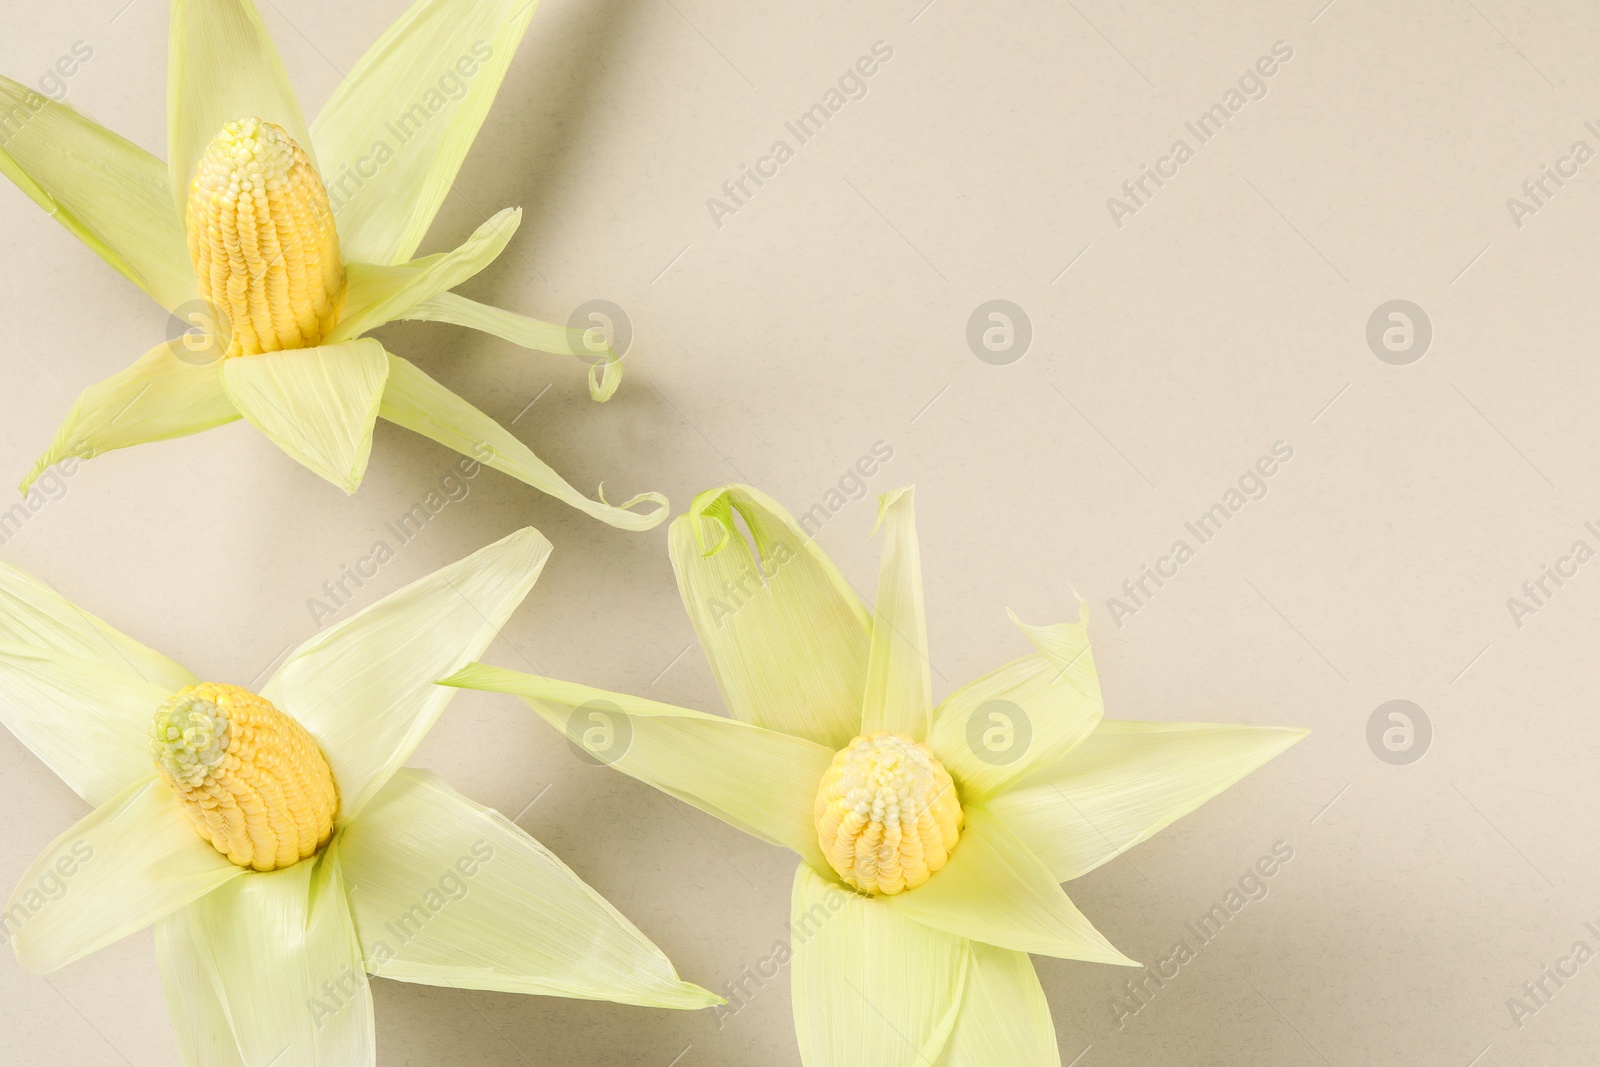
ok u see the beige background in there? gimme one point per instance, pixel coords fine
(829, 314)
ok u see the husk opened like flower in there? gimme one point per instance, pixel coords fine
(276, 245)
(934, 839)
(276, 840)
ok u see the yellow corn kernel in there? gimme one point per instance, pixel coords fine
(252, 780)
(887, 814)
(262, 240)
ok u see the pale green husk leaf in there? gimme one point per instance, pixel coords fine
(35, 615)
(406, 95)
(88, 721)
(159, 397)
(786, 635)
(870, 986)
(273, 960)
(761, 781)
(1004, 1016)
(996, 891)
(417, 402)
(133, 860)
(899, 695)
(605, 366)
(109, 192)
(1026, 714)
(378, 294)
(1125, 783)
(317, 404)
(447, 892)
(364, 687)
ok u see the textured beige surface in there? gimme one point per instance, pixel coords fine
(829, 313)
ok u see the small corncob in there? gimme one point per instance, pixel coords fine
(251, 778)
(887, 814)
(263, 241)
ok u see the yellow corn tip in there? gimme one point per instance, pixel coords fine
(887, 814)
(251, 778)
(262, 240)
